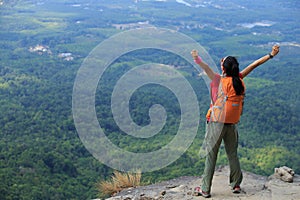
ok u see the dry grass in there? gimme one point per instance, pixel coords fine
(118, 182)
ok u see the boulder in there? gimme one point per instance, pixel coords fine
(284, 173)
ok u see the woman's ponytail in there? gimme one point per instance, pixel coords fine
(231, 66)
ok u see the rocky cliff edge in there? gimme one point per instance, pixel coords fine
(254, 187)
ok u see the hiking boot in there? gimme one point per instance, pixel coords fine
(236, 189)
(198, 192)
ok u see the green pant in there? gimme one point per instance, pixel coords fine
(214, 135)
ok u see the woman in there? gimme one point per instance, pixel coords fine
(227, 93)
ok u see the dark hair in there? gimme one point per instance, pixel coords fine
(232, 69)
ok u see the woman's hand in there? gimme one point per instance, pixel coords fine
(197, 59)
(194, 54)
(275, 50)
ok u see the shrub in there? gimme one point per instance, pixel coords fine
(118, 182)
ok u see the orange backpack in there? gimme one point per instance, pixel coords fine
(228, 106)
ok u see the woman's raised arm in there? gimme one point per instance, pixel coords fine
(210, 73)
(252, 66)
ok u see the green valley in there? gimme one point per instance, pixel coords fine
(44, 42)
